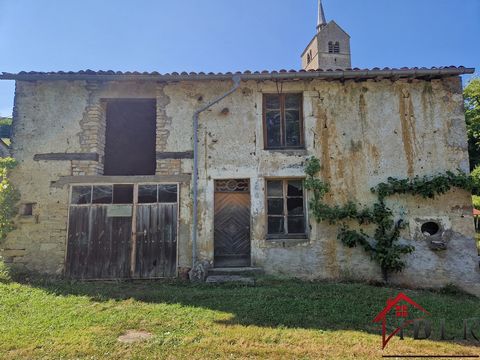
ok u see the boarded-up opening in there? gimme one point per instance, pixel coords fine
(130, 137)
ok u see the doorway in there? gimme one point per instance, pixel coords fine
(232, 223)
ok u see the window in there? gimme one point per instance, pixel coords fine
(283, 121)
(309, 57)
(336, 48)
(285, 208)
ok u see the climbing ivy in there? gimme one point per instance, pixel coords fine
(9, 197)
(383, 245)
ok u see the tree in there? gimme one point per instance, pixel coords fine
(471, 94)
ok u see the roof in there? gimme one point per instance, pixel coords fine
(330, 74)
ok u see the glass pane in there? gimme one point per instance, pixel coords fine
(81, 195)
(295, 188)
(296, 225)
(293, 101)
(274, 188)
(295, 206)
(272, 102)
(292, 128)
(275, 206)
(123, 194)
(147, 194)
(273, 126)
(275, 225)
(102, 194)
(167, 193)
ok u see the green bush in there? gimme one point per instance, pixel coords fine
(9, 197)
(476, 201)
(4, 273)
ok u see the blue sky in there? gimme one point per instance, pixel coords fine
(227, 35)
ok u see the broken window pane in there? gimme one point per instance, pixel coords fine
(147, 194)
(123, 194)
(167, 193)
(295, 206)
(274, 189)
(274, 132)
(275, 206)
(275, 225)
(102, 194)
(296, 225)
(295, 188)
(81, 195)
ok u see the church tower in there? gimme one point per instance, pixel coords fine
(329, 48)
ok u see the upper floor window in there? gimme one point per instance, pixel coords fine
(283, 121)
(334, 48)
(309, 57)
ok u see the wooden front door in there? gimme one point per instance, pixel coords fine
(232, 223)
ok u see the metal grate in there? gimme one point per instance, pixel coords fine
(232, 185)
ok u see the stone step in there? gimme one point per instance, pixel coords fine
(242, 271)
(223, 279)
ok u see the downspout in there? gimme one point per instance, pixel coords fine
(236, 84)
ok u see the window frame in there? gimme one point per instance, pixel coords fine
(285, 197)
(283, 122)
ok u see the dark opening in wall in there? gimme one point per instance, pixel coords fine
(26, 209)
(130, 137)
(430, 228)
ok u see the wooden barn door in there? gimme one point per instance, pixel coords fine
(98, 245)
(232, 223)
(122, 231)
(156, 241)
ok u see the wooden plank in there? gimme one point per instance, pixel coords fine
(98, 246)
(66, 180)
(66, 156)
(156, 241)
(175, 155)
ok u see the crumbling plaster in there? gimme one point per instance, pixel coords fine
(362, 132)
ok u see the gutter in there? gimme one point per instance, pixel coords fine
(248, 75)
(236, 84)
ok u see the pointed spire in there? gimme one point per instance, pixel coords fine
(321, 16)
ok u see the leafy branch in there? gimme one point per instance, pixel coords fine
(383, 245)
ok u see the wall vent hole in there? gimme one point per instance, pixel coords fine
(430, 228)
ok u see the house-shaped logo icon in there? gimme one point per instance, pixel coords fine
(400, 304)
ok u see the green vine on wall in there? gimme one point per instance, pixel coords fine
(9, 197)
(383, 245)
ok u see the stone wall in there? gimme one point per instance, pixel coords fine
(363, 132)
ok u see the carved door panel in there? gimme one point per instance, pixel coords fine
(232, 223)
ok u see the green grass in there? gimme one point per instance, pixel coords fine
(275, 319)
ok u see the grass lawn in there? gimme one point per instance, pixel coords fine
(275, 319)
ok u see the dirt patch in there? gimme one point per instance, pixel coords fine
(133, 336)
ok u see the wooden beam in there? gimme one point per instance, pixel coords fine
(66, 156)
(65, 180)
(175, 155)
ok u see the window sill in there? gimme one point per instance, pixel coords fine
(297, 152)
(286, 241)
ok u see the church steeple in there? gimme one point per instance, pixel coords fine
(329, 48)
(321, 16)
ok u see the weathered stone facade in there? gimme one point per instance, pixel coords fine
(363, 131)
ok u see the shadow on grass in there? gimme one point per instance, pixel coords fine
(280, 303)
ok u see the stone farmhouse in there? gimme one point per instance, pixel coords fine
(145, 175)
